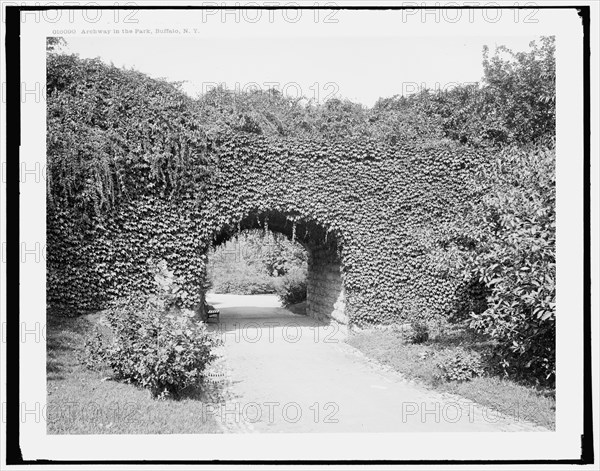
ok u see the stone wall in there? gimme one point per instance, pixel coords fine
(325, 298)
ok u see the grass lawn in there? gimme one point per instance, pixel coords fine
(418, 362)
(81, 401)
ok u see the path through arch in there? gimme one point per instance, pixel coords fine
(282, 372)
(326, 300)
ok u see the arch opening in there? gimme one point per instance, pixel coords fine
(325, 293)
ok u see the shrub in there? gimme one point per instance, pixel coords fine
(94, 350)
(242, 279)
(291, 288)
(165, 352)
(515, 259)
(168, 289)
(460, 365)
(418, 333)
(422, 323)
(249, 263)
(504, 248)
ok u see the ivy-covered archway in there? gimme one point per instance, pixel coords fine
(136, 176)
(325, 287)
(369, 211)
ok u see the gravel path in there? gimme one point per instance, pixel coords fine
(283, 372)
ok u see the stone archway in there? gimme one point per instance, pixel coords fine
(370, 214)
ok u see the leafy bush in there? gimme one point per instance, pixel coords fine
(276, 252)
(506, 243)
(95, 346)
(165, 352)
(168, 289)
(249, 263)
(516, 260)
(418, 333)
(291, 288)
(421, 323)
(460, 365)
(242, 281)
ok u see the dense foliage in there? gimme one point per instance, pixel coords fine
(164, 353)
(513, 104)
(418, 331)
(119, 145)
(460, 365)
(152, 345)
(139, 170)
(368, 197)
(507, 244)
(291, 287)
(253, 262)
(117, 134)
(504, 244)
(515, 257)
(240, 278)
(358, 197)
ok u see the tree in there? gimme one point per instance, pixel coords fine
(55, 43)
(522, 85)
(515, 104)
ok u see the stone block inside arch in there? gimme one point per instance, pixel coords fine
(326, 297)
